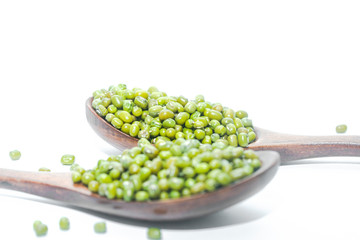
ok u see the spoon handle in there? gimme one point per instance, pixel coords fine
(296, 147)
(56, 186)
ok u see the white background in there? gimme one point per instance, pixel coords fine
(293, 65)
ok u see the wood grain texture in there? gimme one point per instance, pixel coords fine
(295, 147)
(59, 186)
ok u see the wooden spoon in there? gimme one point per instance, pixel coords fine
(290, 147)
(59, 186)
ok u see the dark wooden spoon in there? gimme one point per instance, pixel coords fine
(290, 147)
(59, 186)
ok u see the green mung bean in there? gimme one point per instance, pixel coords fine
(341, 128)
(15, 155)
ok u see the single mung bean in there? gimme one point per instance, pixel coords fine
(157, 94)
(100, 227)
(169, 123)
(221, 130)
(182, 117)
(243, 139)
(247, 122)
(182, 100)
(223, 178)
(210, 184)
(186, 192)
(104, 178)
(117, 101)
(213, 124)
(208, 131)
(172, 106)
(67, 159)
(101, 110)
(228, 113)
(218, 107)
(134, 130)
(64, 223)
(153, 190)
(250, 154)
(102, 189)
(141, 196)
(125, 116)
(165, 114)
(36, 223)
(198, 123)
(128, 194)
(93, 186)
(195, 115)
(76, 176)
(126, 128)
(141, 93)
(141, 102)
(15, 155)
(111, 109)
(153, 233)
(190, 107)
(40, 228)
(233, 140)
(215, 115)
(109, 117)
(87, 177)
(200, 107)
(241, 114)
(163, 184)
(115, 173)
(201, 177)
(225, 121)
(136, 111)
(176, 183)
(199, 134)
(251, 136)
(44, 169)
(174, 194)
(163, 100)
(341, 128)
(198, 187)
(129, 94)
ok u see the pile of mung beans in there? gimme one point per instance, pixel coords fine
(167, 170)
(185, 147)
(153, 115)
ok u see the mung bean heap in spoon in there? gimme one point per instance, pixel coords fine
(154, 115)
(166, 181)
(168, 170)
(198, 119)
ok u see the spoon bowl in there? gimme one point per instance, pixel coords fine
(59, 186)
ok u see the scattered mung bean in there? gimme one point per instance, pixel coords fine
(15, 155)
(341, 128)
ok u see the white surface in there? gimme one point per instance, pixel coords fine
(293, 65)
